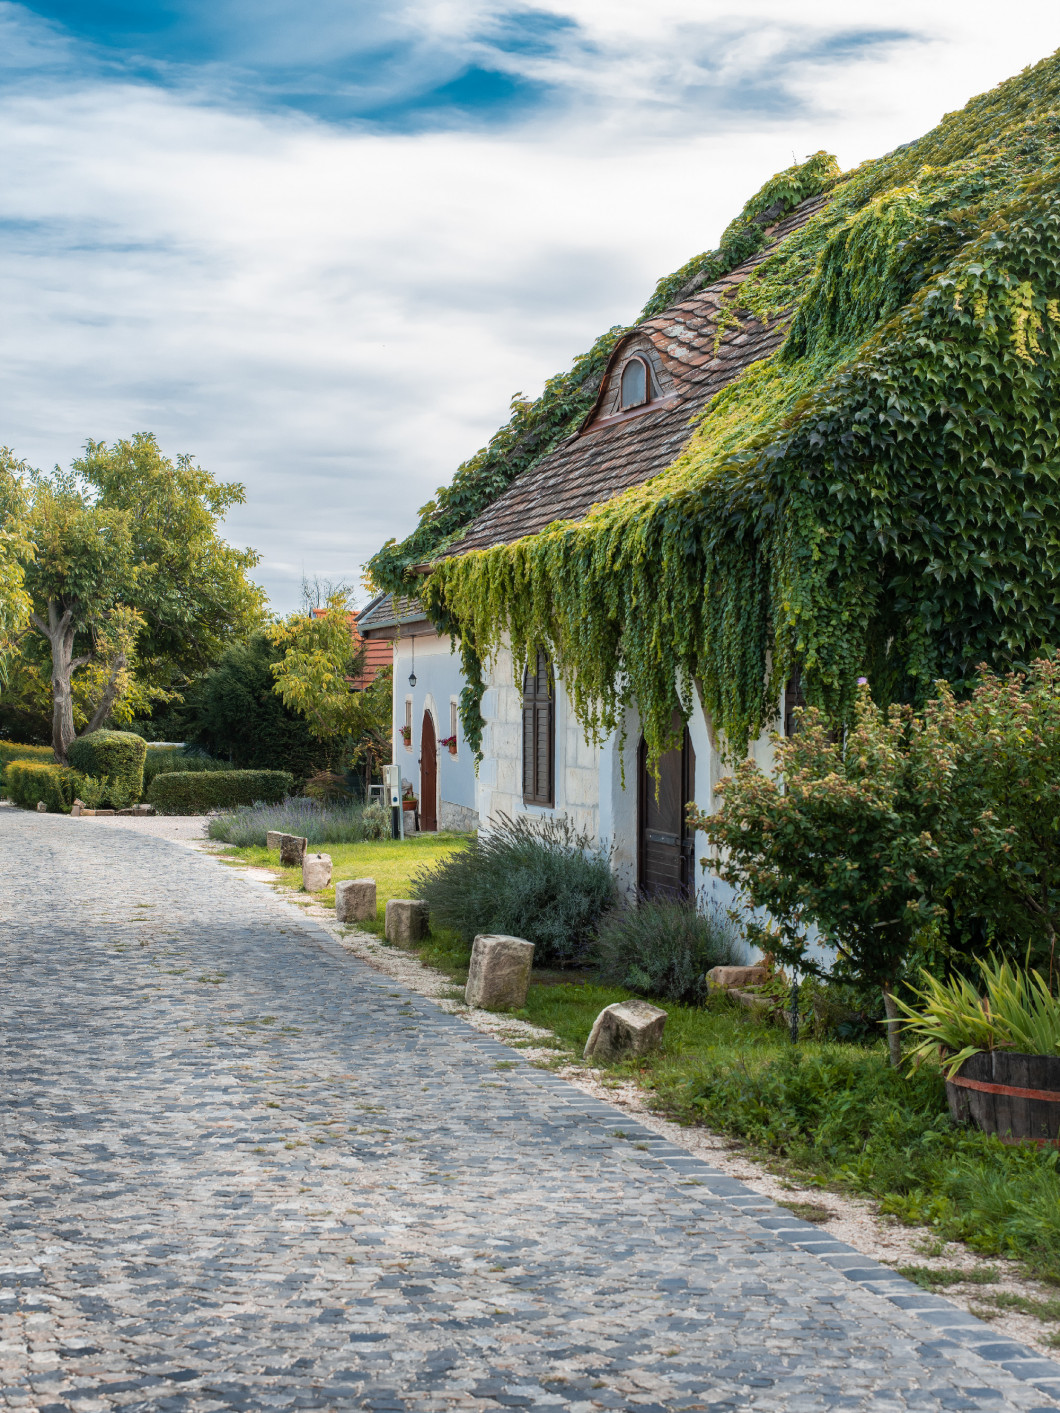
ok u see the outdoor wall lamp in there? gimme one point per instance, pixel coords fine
(412, 674)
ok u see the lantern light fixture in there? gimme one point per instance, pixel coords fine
(412, 674)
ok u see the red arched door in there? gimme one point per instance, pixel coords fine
(428, 775)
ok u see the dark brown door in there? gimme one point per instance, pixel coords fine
(667, 867)
(428, 775)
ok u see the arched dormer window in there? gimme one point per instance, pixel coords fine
(635, 383)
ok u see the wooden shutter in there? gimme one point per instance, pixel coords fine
(539, 733)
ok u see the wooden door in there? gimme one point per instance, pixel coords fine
(666, 865)
(428, 775)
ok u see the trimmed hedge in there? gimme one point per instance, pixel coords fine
(30, 781)
(196, 791)
(9, 751)
(176, 758)
(117, 756)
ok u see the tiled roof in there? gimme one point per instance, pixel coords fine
(387, 611)
(614, 451)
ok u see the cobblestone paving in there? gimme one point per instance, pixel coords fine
(241, 1170)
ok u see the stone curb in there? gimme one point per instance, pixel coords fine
(946, 1326)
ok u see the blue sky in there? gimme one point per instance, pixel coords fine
(320, 245)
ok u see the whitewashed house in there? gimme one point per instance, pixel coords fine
(535, 757)
(429, 744)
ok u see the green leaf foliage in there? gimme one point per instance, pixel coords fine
(29, 782)
(116, 755)
(196, 792)
(880, 497)
(234, 713)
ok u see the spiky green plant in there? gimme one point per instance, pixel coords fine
(1018, 1012)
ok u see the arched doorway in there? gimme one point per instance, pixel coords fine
(428, 775)
(666, 867)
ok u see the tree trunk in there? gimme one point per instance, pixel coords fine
(59, 630)
(894, 1034)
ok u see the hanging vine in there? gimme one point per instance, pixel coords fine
(881, 497)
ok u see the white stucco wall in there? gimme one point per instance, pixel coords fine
(500, 776)
(438, 684)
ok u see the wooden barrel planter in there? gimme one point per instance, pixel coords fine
(1015, 1096)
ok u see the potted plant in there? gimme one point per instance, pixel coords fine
(406, 736)
(1000, 1050)
(449, 741)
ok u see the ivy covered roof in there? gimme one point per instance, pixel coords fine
(878, 495)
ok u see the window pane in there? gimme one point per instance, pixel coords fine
(634, 383)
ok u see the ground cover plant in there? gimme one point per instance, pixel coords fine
(664, 947)
(536, 879)
(337, 822)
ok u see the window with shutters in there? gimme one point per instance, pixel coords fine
(539, 735)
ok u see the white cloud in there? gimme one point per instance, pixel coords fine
(338, 316)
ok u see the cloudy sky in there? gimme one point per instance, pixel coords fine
(321, 243)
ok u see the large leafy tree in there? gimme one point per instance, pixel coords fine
(133, 588)
(14, 550)
(315, 677)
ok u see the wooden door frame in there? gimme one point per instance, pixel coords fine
(688, 795)
(428, 716)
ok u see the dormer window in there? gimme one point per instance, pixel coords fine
(634, 383)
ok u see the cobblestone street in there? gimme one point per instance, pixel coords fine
(242, 1170)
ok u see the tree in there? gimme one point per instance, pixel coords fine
(315, 677)
(864, 837)
(233, 712)
(14, 551)
(132, 586)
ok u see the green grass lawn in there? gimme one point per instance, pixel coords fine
(391, 862)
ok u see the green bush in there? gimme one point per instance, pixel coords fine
(9, 752)
(31, 781)
(665, 947)
(118, 757)
(196, 792)
(233, 712)
(176, 758)
(250, 825)
(540, 880)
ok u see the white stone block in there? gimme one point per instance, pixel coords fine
(499, 974)
(406, 921)
(355, 900)
(625, 1030)
(316, 872)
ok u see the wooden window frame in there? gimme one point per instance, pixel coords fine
(539, 735)
(630, 406)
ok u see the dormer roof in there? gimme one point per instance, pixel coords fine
(616, 448)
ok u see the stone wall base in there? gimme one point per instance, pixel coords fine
(461, 818)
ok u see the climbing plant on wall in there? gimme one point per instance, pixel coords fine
(880, 497)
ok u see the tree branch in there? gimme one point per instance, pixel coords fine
(107, 700)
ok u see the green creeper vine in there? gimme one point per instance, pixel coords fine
(881, 497)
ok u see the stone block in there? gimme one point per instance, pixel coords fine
(292, 850)
(738, 976)
(272, 838)
(406, 921)
(499, 973)
(42, 808)
(355, 900)
(76, 808)
(625, 1030)
(316, 872)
